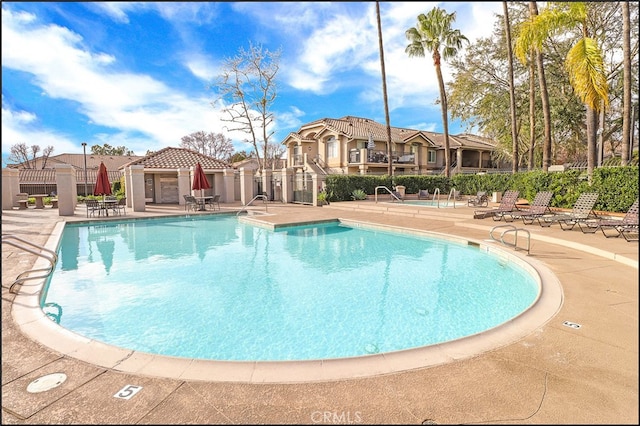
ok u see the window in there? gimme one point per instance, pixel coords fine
(431, 156)
(332, 147)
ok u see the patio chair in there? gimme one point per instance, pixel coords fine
(539, 207)
(627, 227)
(214, 201)
(481, 199)
(423, 194)
(507, 204)
(120, 207)
(93, 206)
(582, 211)
(191, 203)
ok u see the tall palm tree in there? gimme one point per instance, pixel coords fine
(584, 62)
(434, 34)
(526, 42)
(512, 92)
(626, 115)
(384, 89)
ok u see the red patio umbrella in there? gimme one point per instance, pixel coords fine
(200, 179)
(102, 186)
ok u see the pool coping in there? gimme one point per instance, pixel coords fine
(34, 323)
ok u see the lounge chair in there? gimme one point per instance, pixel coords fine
(395, 196)
(423, 193)
(627, 227)
(582, 211)
(539, 207)
(507, 204)
(481, 199)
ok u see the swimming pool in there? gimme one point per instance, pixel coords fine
(435, 203)
(222, 289)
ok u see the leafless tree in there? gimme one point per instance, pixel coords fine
(214, 145)
(26, 156)
(247, 89)
(275, 152)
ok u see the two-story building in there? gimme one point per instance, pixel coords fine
(353, 145)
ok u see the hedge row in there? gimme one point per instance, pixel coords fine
(617, 186)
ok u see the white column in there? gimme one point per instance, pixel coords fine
(67, 189)
(10, 188)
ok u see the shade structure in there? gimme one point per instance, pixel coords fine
(200, 181)
(102, 186)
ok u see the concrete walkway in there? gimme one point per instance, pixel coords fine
(556, 374)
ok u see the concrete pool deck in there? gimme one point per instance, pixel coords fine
(554, 374)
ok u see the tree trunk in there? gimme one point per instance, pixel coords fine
(384, 89)
(532, 111)
(627, 120)
(445, 122)
(544, 96)
(512, 95)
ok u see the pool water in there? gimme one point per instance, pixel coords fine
(222, 289)
(435, 203)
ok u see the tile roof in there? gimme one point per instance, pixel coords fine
(174, 158)
(35, 176)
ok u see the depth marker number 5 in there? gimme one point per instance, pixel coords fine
(127, 392)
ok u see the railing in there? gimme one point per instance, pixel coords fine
(388, 190)
(20, 243)
(262, 196)
(515, 230)
(437, 200)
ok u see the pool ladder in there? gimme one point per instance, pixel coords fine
(512, 229)
(262, 196)
(30, 247)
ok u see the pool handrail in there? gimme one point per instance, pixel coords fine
(388, 190)
(264, 198)
(44, 252)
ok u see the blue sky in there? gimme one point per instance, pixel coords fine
(138, 74)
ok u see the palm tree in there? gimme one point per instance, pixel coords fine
(434, 34)
(512, 94)
(525, 43)
(627, 120)
(384, 89)
(584, 62)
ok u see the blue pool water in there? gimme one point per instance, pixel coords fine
(219, 288)
(435, 203)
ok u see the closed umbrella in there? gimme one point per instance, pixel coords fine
(200, 181)
(102, 186)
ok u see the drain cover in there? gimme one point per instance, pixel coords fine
(47, 382)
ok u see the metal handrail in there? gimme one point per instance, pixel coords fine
(511, 229)
(388, 190)
(437, 200)
(264, 198)
(48, 254)
(452, 193)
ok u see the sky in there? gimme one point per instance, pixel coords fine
(140, 74)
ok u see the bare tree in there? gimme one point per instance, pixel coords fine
(247, 89)
(275, 151)
(26, 156)
(214, 145)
